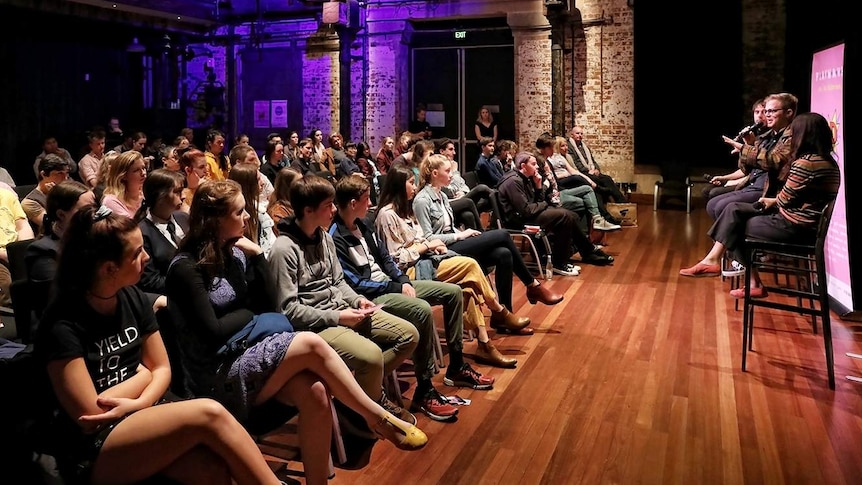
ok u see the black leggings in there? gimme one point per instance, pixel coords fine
(495, 248)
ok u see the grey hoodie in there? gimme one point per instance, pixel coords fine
(309, 284)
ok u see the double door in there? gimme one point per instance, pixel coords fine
(454, 83)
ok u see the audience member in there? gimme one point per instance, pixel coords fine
(585, 163)
(64, 200)
(219, 165)
(485, 125)
(51, 147)
(163, 225)
(88, 166)
(124, 186)
(52, 171)
(279, 206)
(489, 170)
(312, 293)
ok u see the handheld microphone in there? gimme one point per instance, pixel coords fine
(756, 128)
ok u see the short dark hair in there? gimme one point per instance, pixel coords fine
(545, 140)
(441, 143)
(309, 192)
(51, 163)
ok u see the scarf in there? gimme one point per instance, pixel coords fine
(588, 162)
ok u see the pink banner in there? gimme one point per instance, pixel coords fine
(827, 98)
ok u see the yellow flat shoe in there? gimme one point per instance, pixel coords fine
(405, 438)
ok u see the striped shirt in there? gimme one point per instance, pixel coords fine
(813, 182)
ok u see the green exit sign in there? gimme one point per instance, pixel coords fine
(460, 34)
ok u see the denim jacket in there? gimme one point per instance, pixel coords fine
(428, 207)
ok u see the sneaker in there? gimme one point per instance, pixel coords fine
(468, 377)
(435, 406)
(601, 224)
(567, 270)
(736, 269)
(397, 411)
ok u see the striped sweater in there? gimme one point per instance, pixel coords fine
(813, 182)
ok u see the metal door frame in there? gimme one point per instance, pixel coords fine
(462, 138)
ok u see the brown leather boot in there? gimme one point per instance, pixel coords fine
(507, 320)
(542, 294)
(486, 353)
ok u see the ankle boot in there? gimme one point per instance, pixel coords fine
(504, 319)
(542, 294)
(486, 353)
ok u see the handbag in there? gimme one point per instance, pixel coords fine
(260, 327)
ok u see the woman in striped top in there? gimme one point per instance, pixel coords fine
(793, 215)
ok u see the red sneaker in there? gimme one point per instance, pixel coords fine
(435, 406)
(756, 292)
(467, 376)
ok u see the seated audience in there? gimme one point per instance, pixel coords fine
(488, 168)
(219, 165)
(109, 371)
(491, 248)
(370, 271)
(416, 252)
(193, 164)
(218, 283)
(312, 293)
(524, 202)
(50, 147)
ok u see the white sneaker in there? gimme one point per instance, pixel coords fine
(569, 270)
(736, 269)
(601, 224)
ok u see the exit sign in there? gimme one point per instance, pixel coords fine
(460, 34)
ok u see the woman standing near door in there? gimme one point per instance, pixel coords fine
(485, 125)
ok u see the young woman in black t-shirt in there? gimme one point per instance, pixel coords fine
(109, 370)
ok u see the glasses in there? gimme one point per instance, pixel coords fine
(773, 111)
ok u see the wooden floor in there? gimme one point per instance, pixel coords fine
(635, 378)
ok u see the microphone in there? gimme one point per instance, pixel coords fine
(756, 128)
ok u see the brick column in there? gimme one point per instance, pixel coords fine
(533, 90)
(388, 79)
(321, 73)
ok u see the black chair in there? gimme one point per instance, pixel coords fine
(535, 247)
(23, 190)
(807, 263)
(674, 182)
(471, 178)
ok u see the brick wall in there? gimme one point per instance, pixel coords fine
(600, 59)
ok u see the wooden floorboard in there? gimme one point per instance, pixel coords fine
(635, 379)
